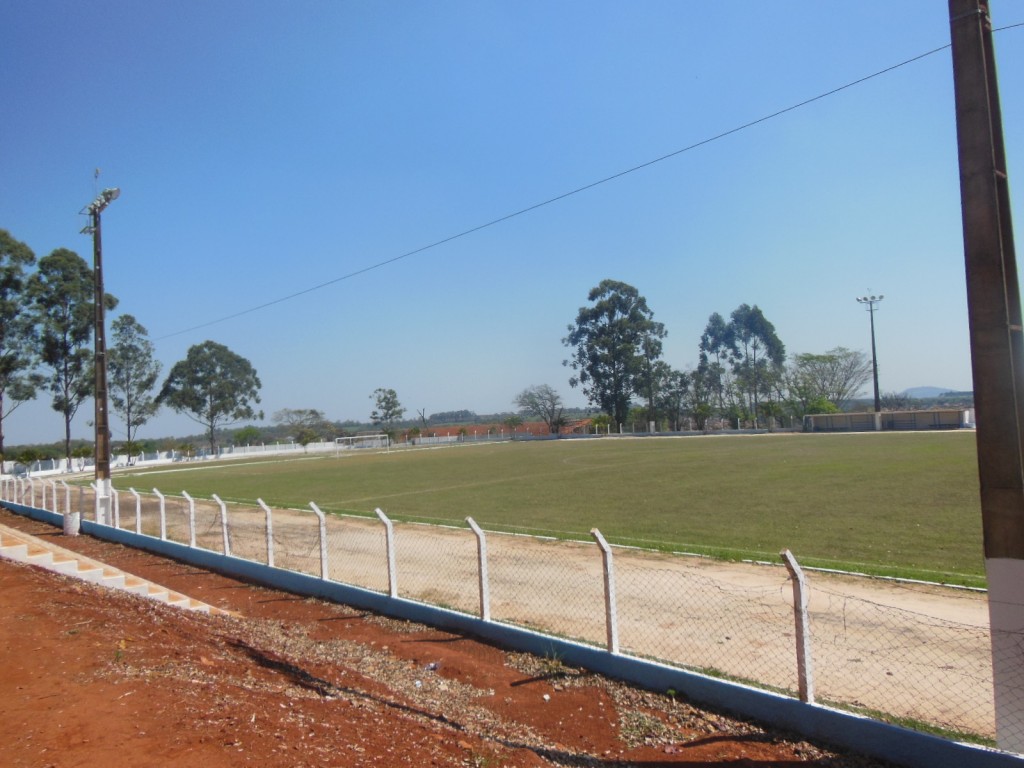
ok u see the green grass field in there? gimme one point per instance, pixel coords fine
(894, 503)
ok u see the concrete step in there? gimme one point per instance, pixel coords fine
(13, 551)
(25, 548)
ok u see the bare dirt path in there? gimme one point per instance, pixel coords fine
(911, 650)
(97, 677)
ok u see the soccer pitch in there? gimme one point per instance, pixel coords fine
(891, 503)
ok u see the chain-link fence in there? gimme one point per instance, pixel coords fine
(916, 653)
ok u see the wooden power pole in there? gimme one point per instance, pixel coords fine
(997, 351)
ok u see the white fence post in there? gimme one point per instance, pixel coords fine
(389, 546)
(73, 520)
(191, 519)
(163, 515)
(53, 496)
(116, 504)
(138, 510)
(481, 560)
(804, 666)
(42, 484)
(95, 502)
(323, 540)
(270, 533)
(610, 610)
(223, 523)
(67, 498)
(31, 492)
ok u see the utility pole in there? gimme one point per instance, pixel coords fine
(102, 420)
(871, 301)
(997, 351)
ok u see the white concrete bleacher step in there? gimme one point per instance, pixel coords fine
(25, 548)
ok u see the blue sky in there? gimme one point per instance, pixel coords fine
(263, 148)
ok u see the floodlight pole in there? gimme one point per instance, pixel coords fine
(871, 301)
(102, 421)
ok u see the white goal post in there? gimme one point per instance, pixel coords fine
(379, 442)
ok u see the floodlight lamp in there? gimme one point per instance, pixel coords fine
(102, 200)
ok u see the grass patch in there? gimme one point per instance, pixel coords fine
(893, 504)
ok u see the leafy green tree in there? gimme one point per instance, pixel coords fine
(27, 456)
(309, 419)
(896, 401)
(306, 435)
(214, 387)
(63, 294)
(248, 435)
(388, 410)
(83, 452)
(543, 402)
(652, 376)
(716, 344)
(17, 331)
(833, 377)
(613, 343)
(513, 422)
(601, 422)
(758, 356)
(673, 393)
(133, 374)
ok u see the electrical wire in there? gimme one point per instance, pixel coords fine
(564, 195)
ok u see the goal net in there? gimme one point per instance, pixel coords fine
(359, 442)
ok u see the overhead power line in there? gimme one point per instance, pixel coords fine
(564, 195)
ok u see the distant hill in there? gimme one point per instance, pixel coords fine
(923, 393)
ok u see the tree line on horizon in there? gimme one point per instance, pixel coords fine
(743, 375)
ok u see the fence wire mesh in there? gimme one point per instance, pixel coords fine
(670, 609)
(247, 532)
(885, 659)
(554, 587)
(440, 569)
(931, 665)
(356, 550)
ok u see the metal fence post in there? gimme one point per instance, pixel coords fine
(610, 610)
(389, 547)
(323, 540)
(191, 518)
(223, 523)
(116, 504)
(31, 491)
(804, 665)
(270, 533)
(163, 515)
(53, 496)
(481, 559)
(138, 510)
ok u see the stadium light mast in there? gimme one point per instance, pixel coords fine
(102, 421)
(871, 301)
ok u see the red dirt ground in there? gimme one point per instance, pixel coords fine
(94, 677)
